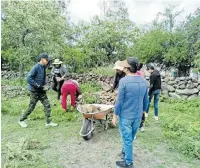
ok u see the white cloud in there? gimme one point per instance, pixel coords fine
(140, 11)
(83, 9)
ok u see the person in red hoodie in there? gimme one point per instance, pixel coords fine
(70, 87)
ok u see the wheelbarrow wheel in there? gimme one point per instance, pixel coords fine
(88, 137)
(87, 128)
(106, 125)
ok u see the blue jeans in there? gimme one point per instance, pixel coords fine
(156, 95)
(128, 129)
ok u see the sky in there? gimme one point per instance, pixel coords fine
(140, 11)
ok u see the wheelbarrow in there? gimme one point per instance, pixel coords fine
(103, 116)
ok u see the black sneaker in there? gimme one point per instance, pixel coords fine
(124, 164)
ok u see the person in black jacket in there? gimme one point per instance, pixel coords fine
(58, 73)
(119, 74)
(155, 88)
(36, 83)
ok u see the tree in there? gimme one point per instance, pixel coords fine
(192, 31)
(177, 54)
(171, 45)
(30, 28)
(113, 10)
(107, 38)
(152, 46)
(167, 19)
(184, 49)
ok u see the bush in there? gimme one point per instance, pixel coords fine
(107, 71)
(90, 87)
(87, 90)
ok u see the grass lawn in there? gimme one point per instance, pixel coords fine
(162, 145)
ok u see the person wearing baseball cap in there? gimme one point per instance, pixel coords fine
(132, 101)
(36, 82)
(118, 75)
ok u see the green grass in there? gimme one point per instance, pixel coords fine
(17, 106)
(90, 87)
(16, 82)
(107, 71)
(175, 139)
(87, 89)
(38, 139)
(181, 125)
(156, 145)
(153, 142)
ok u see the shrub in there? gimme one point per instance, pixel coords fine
(107, 71)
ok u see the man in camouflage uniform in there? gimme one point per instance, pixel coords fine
(36, 82)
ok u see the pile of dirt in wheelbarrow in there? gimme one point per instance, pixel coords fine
(89, 108)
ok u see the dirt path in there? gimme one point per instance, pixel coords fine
(103, 149)
(66, 149)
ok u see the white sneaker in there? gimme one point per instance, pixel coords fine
(134, 137)
(23, 124)
(146, 115)
(156, 118)
(51, 124)
(142, 129)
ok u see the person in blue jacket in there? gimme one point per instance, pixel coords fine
(36, 82)
(132, 101)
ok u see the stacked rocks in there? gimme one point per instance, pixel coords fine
(106, 97)
(83, 78)
(182, 87)
(13, 91)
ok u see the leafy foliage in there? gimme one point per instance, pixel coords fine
(151, 47)
(107, 71)
(30, 28)
(172, 44)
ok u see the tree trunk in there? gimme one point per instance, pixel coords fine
(183, 71)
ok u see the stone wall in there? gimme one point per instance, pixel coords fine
(12, 91)
(106, 82)
(9, 75)
(181, 87)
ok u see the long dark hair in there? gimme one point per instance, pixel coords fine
(133, 69)
(140, 66)
(133, 62)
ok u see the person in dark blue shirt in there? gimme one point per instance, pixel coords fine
(36, 82)
(132, 101)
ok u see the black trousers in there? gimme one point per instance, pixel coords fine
(142, 121)
(57, 86)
